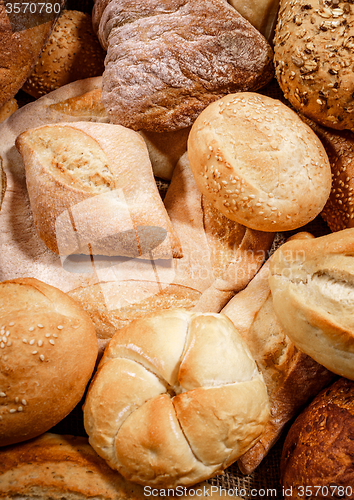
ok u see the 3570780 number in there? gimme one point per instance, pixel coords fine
(32, 8)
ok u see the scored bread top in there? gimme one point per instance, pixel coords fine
(82, 184)
(177, 397)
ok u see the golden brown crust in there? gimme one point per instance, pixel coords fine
(166, 62)
(318, 448)
(16, 63)
(49, 350)
(8, 108)
(312, 289)
(313, 55)
(71, 53)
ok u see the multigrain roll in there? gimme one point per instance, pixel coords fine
(312, 285)
(48, 353)
(176, 399)
(317, 456)
(259, 163)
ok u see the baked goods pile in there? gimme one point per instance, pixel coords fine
(210, 338)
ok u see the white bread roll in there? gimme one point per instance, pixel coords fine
(176, 399)
(312, 284)
(92, 192)
(259, 164)
(48, 353)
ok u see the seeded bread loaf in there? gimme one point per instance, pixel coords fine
(48, 353)
(176, 398)
(71, 53)
(259, 163)
(314, 59)
(167, 61)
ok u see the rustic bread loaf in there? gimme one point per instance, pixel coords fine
(317, 457)
(22, 37)
(85, 198)
(259, 163)
(71, 53)
(292, 378)
(48, 353)
(313, 57)
(312, 288)
(60, 466)
(167, 61)
(176, 399)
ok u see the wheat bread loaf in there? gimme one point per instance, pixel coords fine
(49, 350)
(259, 163)
(166, 62)
(176, 398)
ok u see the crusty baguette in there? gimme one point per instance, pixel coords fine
(292, 378)
(52, 467)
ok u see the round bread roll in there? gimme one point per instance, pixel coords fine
(312, 285)
(258, 163)
(48, 353)
(72, 53)
(176, 399)
(317, 456)
(314, 59)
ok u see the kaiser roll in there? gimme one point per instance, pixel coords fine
(176, 399)
(317, 457)
(259, 163)
(48, 353)
(312, 285)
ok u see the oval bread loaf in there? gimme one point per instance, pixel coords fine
(259, 163)
(176, 399)
(48, 353)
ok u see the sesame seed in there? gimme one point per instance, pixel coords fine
(2, 345)
(52, 342)
(31, 328)
(16, 400)
(40, 325)
(7, 333)
(12, 410)
(12, 323)
(4, 339)
(40, 343)
(9, 343)
(34, 352)
(24, 341)
(47, 335)
(31, 342)
(20, 408)
(55, 335)
(2, 395)
(60, 327)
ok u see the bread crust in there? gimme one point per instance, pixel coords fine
(313, 57)
(49, 352)
(166, 62)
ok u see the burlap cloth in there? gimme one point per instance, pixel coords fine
(264, 482)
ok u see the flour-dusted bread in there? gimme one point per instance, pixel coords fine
(292, 378)
(64, 466)
(48, 353)
(259, 163)
(312, 287)
(176, 399)
(167, 61)
(92, 192)
(314, 59)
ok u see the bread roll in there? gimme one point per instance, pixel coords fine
(262, 14)
(317, 455)
(71, 53)
(314, 59)
(167, 61)
(8, 108)
(48, 353)
(85, 198)
(22, 37)
(176, 399)
(54, 466)
(312, 288)
(258, 163)
(292, 378)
